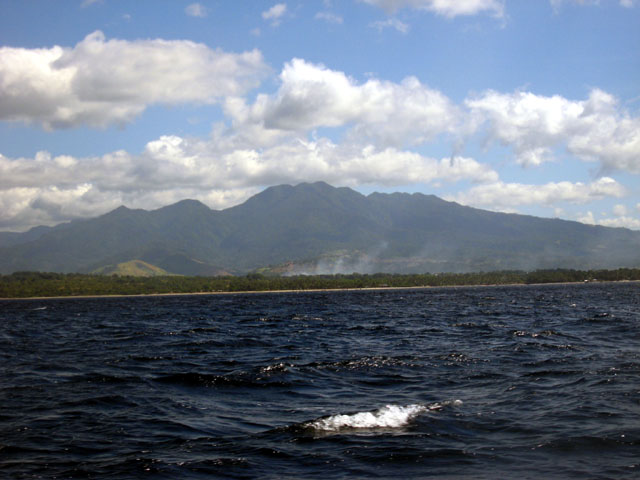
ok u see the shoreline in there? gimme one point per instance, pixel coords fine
(311, 290)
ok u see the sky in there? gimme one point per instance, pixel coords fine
(520, 106)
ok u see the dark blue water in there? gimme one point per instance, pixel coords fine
(491, 382)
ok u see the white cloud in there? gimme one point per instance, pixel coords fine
(531, 124)
(596, 129)
(391, 23)
(329, 17)
(506, 196)
(313, 96)
(101, 82)
(350, 165)
(587, 218)
(447, 8)
(621, 222)
(275, 13)
(607, 134)
(196, 10)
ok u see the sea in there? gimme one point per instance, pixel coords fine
(525, 382)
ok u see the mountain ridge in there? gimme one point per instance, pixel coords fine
(318, 228)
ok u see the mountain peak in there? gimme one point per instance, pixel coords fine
(185, 205)
(189, 203)
(316, 187)
(119, 212)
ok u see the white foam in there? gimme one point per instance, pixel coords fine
(389, 416)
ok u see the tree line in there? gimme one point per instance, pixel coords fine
(40, 284)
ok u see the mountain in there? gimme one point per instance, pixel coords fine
(317, 228)
(8, 239)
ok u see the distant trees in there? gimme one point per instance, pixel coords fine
(45, 284)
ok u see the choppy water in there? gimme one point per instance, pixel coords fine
(496, 382)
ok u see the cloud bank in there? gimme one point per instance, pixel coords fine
(102, 82)
(47, 189)
(506, 196)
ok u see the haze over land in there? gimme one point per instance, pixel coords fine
(517, 106)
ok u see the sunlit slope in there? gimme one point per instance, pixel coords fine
(135, 268)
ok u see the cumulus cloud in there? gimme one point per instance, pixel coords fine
(275, 13)
(220, 171)
(447, 8)
(595, 129)
(312, 96)
(506, 196)
(196, 10)
(101, 82)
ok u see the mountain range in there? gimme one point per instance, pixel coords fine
(316, 228)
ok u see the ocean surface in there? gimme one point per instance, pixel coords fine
(483, 383)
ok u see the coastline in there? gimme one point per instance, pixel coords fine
(311, 290)
(236, 292)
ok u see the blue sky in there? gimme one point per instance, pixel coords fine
(526, 106)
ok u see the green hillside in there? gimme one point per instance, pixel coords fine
(134, 268)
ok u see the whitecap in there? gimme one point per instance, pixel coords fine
(387, 417)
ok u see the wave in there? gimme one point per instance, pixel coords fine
(387, 417)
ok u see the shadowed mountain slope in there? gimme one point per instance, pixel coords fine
(316, 228)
